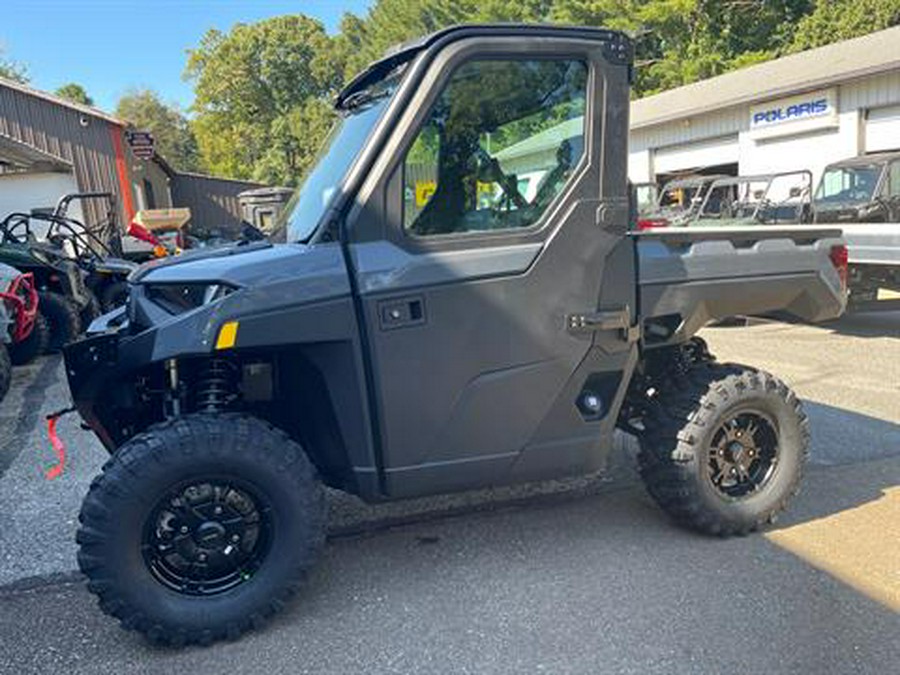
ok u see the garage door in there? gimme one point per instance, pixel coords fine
(27, 192)
(677, 158)
(883, 129)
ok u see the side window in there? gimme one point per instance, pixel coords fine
(498, 146)
(894, 180)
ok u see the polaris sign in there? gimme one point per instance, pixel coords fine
(797, 114)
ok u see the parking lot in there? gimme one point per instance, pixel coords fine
(573, 576)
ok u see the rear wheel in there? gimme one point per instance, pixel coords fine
(201, 528)
(34, 345)
(724, 448)
(62, 318)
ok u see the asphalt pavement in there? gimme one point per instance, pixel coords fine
(582, 576)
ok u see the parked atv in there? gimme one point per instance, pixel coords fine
(22, 326)
(676, 204)
(65, 301)
(99, 249)
(746, 201)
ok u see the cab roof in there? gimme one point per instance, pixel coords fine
(866, 160)
(619, 47)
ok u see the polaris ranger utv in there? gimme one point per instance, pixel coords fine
(426, 328)
(862, 195)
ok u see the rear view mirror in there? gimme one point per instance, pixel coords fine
(795, 192)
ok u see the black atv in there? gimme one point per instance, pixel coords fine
(100, 248)
(75, 276)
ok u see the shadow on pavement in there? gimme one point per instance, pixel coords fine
(841, 436)
(866, 324)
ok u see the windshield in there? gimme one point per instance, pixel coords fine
(646, 197)
(321, 183)
(682, 196)
(849, 184)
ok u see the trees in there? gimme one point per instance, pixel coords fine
(261, 94)
(834, 20)
(12, 70)
(174, 139)
(263, 90)
(74, 92)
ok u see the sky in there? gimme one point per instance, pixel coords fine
(111, 46)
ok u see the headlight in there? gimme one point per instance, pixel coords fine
(178, 298)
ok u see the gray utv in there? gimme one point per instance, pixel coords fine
(438, 319)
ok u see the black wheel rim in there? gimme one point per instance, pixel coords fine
(207, 537)
(743, 454)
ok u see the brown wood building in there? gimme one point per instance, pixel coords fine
(50, 146)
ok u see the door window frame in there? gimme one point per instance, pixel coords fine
(381, 195)
(538, 224)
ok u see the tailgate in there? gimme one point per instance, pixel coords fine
(873, 243)
(688, 277)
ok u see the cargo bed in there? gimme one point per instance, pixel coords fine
(689, 277)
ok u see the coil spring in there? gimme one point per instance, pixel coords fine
(215, 386)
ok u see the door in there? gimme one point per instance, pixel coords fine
(692, 156)
(882, 129)
(490, 257)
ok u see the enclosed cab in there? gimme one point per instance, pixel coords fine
(863, 189)
(863, 194)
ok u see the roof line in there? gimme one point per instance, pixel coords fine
(719, 92)
(195, 174)
(772, 93)
(53, 98)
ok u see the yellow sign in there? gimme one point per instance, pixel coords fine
(424, 190)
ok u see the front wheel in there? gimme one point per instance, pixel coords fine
(201, 528)
(34, 345)
(724, 448)
(62, 319)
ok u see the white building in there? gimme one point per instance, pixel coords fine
(799, 112)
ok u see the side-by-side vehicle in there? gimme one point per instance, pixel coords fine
(415, 334)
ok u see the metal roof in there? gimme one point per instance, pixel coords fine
(813, 69)
(18, 155)
(53, 98)
(869, 159)
(548, 139)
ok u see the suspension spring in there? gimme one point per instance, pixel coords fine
(216, 386)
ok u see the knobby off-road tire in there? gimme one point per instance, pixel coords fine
(62, 317)
(91, 310)
(37, 342)
(143, 502)
(724, 450)
(5, 371)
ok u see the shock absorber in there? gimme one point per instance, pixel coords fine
(216, 386)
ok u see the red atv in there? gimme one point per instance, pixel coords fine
(24, 333)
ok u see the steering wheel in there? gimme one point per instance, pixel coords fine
(548, 189)
(490, 168)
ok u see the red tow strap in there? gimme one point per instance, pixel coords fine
(57, 445)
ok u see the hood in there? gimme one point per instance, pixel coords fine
(242, 264)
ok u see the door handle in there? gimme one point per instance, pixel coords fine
(614, 320)
(401, 313)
